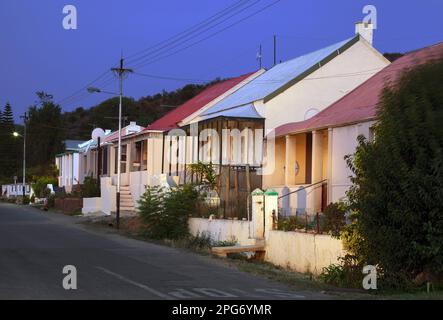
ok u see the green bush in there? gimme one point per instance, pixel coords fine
(90, 188)
(40, 185)
(348, 273)
(165, 213)
(334, 218)
(289, 223)
(397, 187)
(200, 241)
(205, 173)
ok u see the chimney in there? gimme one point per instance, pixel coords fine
(365, 30)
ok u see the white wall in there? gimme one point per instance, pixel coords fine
(69, 170)
(344, 142)
(91, 205)
(108, 195)
(302, 252)
(222, 230)
(139, 181)
(323, 87)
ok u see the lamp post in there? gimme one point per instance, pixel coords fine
(120, 72)
(16, 134)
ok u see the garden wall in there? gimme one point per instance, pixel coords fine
(68, 205)
(222, 229)
(302, 252)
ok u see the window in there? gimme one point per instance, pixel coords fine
(140, 156)
(123, 159)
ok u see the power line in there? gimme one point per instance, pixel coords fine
(191, 35)
(75, 96)
(83, 88)
(172, 78)
(207, 37)
(191, 29)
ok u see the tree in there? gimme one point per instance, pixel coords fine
(8, 145)
(45, 133)
(397, 192)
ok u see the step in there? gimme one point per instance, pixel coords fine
(131, 209)
(223, 251)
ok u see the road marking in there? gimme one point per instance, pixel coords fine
(140, 285)
(214, 293)
(184, 294)
(280, 293)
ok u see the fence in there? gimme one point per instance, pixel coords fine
(302, 222)
(303, 219)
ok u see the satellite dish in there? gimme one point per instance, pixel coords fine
(97, 133)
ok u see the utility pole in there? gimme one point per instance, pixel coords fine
(121, 72)
(25, 119)
(259, 57)
(275, 49)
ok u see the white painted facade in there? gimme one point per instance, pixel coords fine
(323, 87)
(68, 165)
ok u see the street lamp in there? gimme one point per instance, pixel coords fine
(16, 135)
(120, 72)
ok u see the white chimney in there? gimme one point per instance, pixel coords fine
(365, 30)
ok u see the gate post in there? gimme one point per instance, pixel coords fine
(271, 210)
(257, 214)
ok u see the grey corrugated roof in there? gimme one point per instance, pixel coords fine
(73, 145)
(247, 111)
(277, 77)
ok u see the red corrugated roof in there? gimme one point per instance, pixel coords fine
(361, 103)
(170, 120)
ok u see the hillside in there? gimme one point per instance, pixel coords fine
(80, 122)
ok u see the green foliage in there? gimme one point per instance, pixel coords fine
(45, 133)
(90, 188)
(80, 122)
(200, 241)
(40, 186)
(10, 151)
(205, 173)
(289, 223)
(397, 192)
(225, 243)
(165, 213)
(348, 273)
(51, 200)
(334, 218)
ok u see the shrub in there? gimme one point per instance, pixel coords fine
(51, 201)
(165, 213)
(200, 241)
(90, 188)
(289, 223)
(41, 184)
(334, 218)
(225, 243)
(348, 273)
(397, 187)
(205, 174)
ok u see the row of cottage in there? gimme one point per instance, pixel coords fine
(287, 128)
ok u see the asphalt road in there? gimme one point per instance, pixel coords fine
(36, 246)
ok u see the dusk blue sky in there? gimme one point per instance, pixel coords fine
(38, 54)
